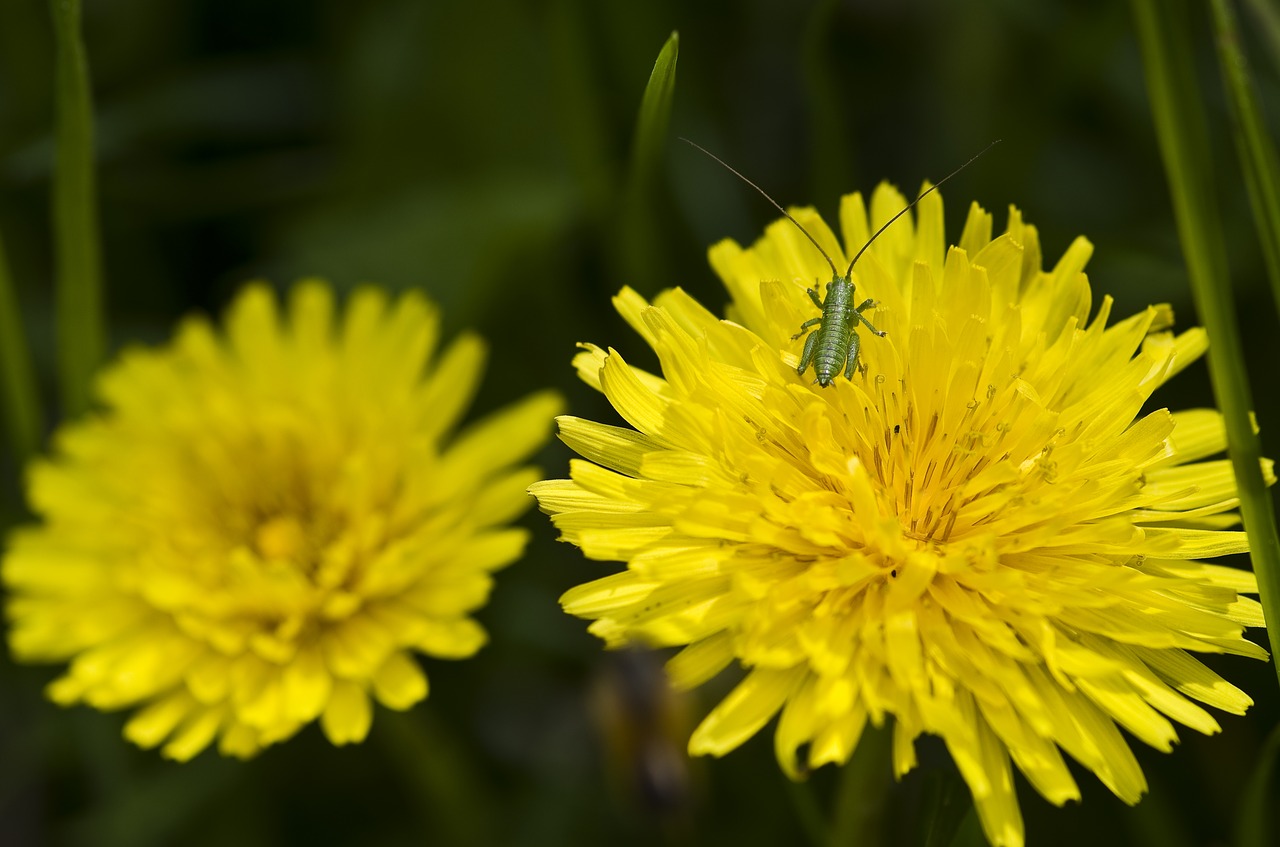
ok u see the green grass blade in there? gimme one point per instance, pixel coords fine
(945, 805)
(1165, 40)
(969, 833)
(808, 813)
(1257, 153)
(642, 250)
(830, 123)
(863, 790)
(80, 328)
(1256, 825)
(434, 767)
(1159, 820)
(1267, 18)
(18, 400)
(655, 113)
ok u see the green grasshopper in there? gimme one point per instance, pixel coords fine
(835, 343)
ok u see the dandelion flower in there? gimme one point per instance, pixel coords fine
(980, 535)
(262, 529)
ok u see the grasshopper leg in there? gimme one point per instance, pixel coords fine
(858, 314)
(806, 325)
(855, 344)
(813, 295)
(806, 358)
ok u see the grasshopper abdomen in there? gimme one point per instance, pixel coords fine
(831, 350)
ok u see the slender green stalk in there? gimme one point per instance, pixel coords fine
(642, 250)
(969, 833)
(455, 802)
(1256, 822)
(655, 113)
(858, 817)
(1257, 153)
(18, 399)
(80, 328)
(582, 108)
(1164, 37)
(945, 805)
(812, 821)
(829, 120)
(1159, 820)
(1267, 19)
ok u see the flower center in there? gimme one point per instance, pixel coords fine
(280, 538)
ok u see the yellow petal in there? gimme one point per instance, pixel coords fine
(348, 714)
(400, 683)
(747, 708)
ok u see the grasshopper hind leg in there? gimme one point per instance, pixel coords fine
(851, 364)
(806, 358)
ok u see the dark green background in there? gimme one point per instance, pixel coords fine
(479, 152)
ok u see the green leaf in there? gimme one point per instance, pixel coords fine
(21, 405)
(641, 248)
(655, 114)
(1257, 816)
(80, 328)
(1257, 153)
(1164, 35)
(1267, 18)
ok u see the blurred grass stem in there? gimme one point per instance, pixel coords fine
(80, 331)
(1164, 36)
(454, 802)
(641, 247)
(1256, 824)
(1266, 17)
(805, 805)
(19, 401)
(1253, 145)
(858, 817)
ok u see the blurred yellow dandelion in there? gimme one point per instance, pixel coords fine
(980, 535)
(260, 530)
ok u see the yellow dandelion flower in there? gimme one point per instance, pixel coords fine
(261, 530)
(979, 535)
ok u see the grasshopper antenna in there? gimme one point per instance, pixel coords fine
(870, 240)
(785, 213)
